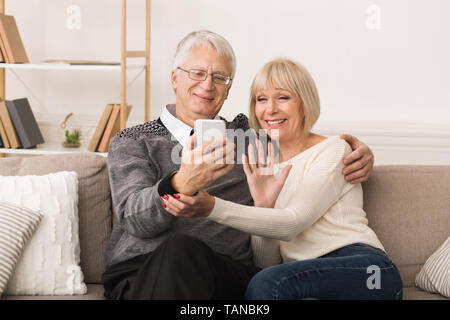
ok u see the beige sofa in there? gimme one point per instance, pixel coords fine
(407, 206)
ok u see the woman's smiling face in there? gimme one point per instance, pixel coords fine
(279, 109)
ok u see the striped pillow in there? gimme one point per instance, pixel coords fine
(17, 225)
(435, 274)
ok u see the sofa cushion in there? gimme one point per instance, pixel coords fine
(408, 208)
(94, 206)
(94, 292)
(414, 293)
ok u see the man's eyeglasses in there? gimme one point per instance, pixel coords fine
(201, 75)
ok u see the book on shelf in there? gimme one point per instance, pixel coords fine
(93, 145)
(112, 127)
(25, 123)
(9, 126)
(83, 62)
(3, 136)
(12, 47)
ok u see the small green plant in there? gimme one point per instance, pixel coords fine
(73, 136)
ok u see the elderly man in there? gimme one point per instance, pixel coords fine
(153, 254)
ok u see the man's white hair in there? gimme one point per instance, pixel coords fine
(207, 39)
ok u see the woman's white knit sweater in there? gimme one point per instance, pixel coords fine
(316, 212)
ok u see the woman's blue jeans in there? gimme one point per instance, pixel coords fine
(356, 271)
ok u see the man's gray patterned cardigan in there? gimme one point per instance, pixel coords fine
(139, 160)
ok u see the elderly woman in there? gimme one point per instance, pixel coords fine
(306, 215)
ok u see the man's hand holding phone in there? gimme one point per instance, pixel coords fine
(202, 164)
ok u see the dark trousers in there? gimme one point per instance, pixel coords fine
(182, 267)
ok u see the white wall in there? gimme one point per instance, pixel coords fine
(383, 75)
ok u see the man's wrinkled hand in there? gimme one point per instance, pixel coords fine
(203, 165)
(359, 163)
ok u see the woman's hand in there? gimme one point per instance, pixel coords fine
(264, 187)
(183, 206)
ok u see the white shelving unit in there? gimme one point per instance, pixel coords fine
(66, 66)
(49, 148)
(56, 148)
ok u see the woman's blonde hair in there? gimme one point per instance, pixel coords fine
(291, 76)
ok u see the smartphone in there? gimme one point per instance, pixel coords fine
(208, 130)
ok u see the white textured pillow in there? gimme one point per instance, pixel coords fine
(50, 262)
(435, 274)
(17, 225)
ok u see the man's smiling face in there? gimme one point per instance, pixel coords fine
(200, 99)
